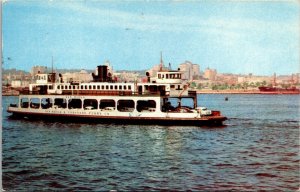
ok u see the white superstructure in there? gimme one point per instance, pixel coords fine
(162, 99)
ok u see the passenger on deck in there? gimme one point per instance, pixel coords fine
(168, 107)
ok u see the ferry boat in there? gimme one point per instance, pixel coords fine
(163, 99)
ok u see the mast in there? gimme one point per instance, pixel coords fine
(161, 61)
(274, 80)
(52, 77)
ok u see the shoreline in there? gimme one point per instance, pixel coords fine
(247, 92)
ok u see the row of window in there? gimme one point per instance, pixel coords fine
(169, 76)
(41, 77)
(95, 87)
(90, 104)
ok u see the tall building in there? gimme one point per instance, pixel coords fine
(82, 76)
(296, 78)
(190, 71)
(210, 74)
(38, 69)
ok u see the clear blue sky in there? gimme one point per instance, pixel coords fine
(232, 37)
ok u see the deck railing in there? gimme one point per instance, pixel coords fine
(103, 92)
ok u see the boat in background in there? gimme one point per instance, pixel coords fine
(292, 90)
(279, 90)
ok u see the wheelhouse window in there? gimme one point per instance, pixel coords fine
(90, 104)
(46, 103)
(60, 103)
(129, 87)
(125, 105)
(24, 102)
(120, 87)
(146, 106)
(75, 104)
(98, 87)
(187, 102)
(34, 103)
(107, 104)
(178, 104)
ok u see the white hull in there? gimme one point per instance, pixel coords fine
(112, 114)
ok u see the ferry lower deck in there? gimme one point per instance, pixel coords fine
(112, 109)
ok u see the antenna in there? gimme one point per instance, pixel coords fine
(52, 63)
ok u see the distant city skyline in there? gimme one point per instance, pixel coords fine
(232, 37)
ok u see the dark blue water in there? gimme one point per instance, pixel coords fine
(257, 150)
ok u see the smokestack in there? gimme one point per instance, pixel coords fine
(102, 74)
